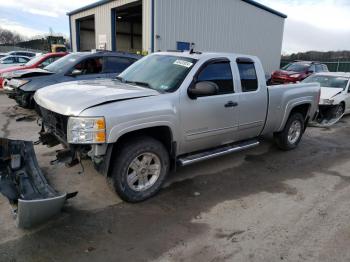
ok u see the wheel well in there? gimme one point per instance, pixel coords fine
(160, 133)
(302, 109)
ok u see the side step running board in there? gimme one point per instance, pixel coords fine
(191, 159)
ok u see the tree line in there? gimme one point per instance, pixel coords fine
(10, 38)
(330, 56)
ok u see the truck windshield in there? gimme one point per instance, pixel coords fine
(63, 63)
(328, 81)
(296, 67)
(163, 73)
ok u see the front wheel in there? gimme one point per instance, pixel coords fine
(292, 133)
(140, 169)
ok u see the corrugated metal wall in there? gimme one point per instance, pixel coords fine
(220, 25)
(103, 22)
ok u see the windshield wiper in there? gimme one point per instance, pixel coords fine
(138, 83)
(120, 79)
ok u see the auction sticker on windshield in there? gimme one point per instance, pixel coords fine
(183, 63)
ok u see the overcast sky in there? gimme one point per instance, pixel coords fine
(311, 25)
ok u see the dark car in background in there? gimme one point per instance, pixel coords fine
(296, 71)
(37, 62)
(73, 67)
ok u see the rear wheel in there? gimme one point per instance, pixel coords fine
(140, 169)
(292, 133)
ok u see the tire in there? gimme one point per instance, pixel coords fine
(26, 100)
(131, 163)
(338, 111)
(288, 139)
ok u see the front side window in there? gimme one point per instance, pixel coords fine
(249, 80)
(164, 73)
(116, 64)
(90, 66)
(8, 60)
(220, 73)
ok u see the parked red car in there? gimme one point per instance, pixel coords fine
(37, 62)
(296, 72)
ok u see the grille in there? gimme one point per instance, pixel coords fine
(55, 123)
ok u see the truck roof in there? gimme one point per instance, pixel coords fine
(204, 55)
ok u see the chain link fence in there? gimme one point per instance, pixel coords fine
(339, 66)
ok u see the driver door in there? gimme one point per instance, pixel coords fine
(210, 121)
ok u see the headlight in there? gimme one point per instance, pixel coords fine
(328, 101)
(18, 82)
(295, 75)
(86, 130)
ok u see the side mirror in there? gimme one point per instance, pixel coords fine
(75, 72)
(205, 88)
(310, 71)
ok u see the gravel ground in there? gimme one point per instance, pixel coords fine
(258, 205)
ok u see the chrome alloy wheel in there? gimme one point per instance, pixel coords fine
(339, 112)
(294, 132)
(143, 171)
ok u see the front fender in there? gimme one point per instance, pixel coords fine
(119, 130)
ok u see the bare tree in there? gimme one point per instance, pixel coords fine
(8, 37)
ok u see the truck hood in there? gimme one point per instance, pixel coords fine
(329, 92)
(71, 98)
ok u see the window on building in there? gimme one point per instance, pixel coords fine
(220, 73)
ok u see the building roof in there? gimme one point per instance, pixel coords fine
(251, 2)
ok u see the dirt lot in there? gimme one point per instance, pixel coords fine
(259, 205)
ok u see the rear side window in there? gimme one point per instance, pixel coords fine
(9, 60)
(116, 64)
(219, 73)
(249, 80)
(90, 66)
(22, 60)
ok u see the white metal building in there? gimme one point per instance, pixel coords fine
(241, 26)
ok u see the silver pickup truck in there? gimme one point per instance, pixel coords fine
(172, 108)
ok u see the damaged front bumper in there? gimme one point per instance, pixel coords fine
(328, 115)
(24, 185)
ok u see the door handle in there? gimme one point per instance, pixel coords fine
(231, 104)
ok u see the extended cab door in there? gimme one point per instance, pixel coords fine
(253, 98)
(210, 121)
